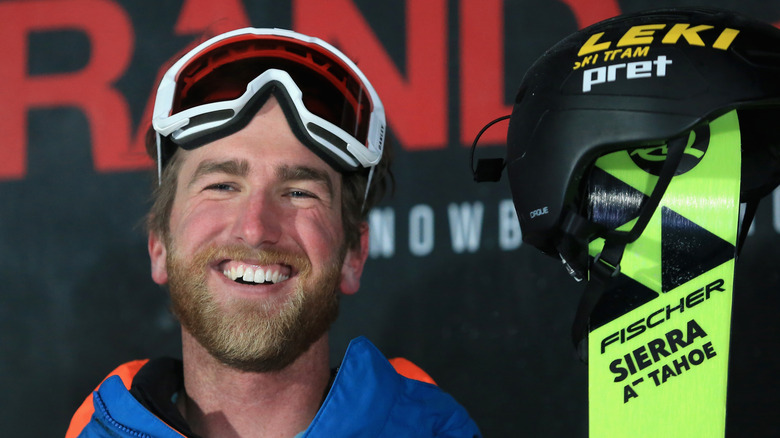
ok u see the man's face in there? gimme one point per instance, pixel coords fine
(255, 255)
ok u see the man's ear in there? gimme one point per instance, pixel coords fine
(158, 254)
(354, 261)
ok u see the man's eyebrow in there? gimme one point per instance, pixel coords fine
(304, 173)
(229, 167)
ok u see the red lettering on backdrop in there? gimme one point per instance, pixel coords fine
(203, 18)
(90, 89)
(482, 70)
(416, 103)
(588, 12)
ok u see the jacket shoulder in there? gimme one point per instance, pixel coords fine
(83, 414)
(387, 399)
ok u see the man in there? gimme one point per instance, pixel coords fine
(269, 147)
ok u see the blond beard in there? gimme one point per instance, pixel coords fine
(253, 335)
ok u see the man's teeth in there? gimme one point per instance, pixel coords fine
(252, 275)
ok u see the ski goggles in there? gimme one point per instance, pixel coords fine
(216, 88)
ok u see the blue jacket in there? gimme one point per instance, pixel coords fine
(368, 398)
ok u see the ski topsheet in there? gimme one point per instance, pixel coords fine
(658, 345)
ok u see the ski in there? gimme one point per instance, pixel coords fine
(658, 342)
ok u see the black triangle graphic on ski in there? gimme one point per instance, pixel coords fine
(623, 295)
(688, 250)
(612, 202)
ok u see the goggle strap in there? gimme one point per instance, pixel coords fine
(368, 187)
(159, 158)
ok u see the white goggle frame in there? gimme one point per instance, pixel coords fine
(192, 123)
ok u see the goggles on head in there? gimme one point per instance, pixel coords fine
(216, 88)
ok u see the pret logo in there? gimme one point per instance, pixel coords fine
(652, 159)
(630, 70)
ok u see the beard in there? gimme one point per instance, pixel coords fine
(254, 335)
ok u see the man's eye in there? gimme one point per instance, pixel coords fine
(220, 187)
(300, 194)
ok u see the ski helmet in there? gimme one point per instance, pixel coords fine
(635, 81)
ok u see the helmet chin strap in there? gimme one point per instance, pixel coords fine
(606, 266)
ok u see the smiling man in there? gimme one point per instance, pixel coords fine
(270, 153)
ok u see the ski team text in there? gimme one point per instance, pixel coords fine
(597, 50)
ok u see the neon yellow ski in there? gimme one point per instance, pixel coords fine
(658, 346)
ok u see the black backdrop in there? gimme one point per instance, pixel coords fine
(447, 285)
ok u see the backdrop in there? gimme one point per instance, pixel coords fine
(448, 284)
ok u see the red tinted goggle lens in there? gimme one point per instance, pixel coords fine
(329, 89)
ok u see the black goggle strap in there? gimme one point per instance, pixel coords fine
(606, 266)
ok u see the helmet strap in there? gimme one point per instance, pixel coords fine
(746, 220)
(606, 265)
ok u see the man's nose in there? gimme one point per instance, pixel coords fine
(259, 221)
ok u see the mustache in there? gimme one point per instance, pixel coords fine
(262, 256)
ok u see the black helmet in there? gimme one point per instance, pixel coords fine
(635, 81)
